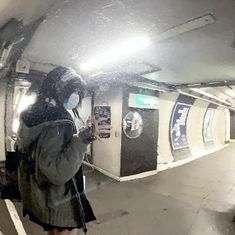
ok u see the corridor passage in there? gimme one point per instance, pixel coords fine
(194, 199)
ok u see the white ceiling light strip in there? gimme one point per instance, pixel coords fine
(209, 95)
(186, 27)
(207, 100)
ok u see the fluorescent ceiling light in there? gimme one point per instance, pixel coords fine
(209, 95)
(117, 52)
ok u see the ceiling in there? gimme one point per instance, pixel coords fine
(74, 31)
(26, 10)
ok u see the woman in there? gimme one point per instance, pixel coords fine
(50, 173)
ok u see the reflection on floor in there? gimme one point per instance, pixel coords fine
(195, 199)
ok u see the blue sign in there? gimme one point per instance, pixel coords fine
(179, 127)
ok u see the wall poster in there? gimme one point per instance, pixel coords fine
(207, 126)
(103, 117)
(179, 126)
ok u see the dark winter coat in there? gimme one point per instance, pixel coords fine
(52, 156)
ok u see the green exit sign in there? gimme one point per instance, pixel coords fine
(143, 101)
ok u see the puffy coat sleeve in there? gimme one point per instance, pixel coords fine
(57, 160)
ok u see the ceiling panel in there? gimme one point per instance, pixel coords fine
(27, 10)
(74, 31)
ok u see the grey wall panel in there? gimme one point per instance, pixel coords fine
(232, 125)
(107, 152)
(2, 117)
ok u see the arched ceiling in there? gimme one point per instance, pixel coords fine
(74, 31)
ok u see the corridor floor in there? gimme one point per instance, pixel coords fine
(194, 199)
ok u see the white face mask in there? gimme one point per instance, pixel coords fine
(72, 102)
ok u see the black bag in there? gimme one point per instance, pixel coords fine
(9, 177)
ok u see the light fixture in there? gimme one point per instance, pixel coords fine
(209, 95)
(25, 101)
(15, 125)
(119, 51)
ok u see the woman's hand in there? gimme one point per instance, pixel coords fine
(87, 135)
(94, 129)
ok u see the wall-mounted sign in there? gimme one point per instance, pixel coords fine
(143, 101)
(207, 126)
(179, 126)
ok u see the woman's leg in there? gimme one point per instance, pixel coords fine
(51, 232)
(75, 232)
(66, 232)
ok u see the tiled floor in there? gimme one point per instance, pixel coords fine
(195, 199)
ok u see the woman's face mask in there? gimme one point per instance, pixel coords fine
(72, 102)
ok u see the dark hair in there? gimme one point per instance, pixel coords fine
(53, 87)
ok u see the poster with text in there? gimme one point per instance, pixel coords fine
(207, 125)
(178, 126)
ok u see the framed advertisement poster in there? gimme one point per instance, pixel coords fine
(207, 126)
(103, 117)
(178, 126)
